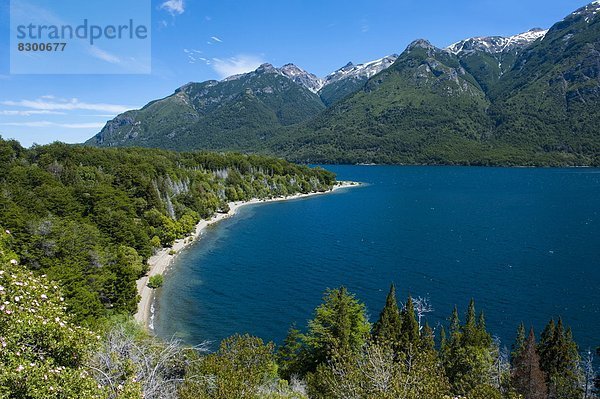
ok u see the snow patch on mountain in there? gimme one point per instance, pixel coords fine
(366, 70)
(497, 44)
(300, 76)
(589, 11)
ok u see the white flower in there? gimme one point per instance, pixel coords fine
(17, 298)
(7, 231)
(14, 262)
(1, 288)
(43, 296)
(20, 368)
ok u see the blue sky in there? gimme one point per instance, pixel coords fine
(194, 40)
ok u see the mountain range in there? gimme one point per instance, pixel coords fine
(528, 99)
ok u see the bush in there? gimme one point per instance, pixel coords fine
(155, 281)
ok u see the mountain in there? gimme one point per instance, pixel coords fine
(425, 99)
(488, 58)
(497, 44)
(300, 76)
(550, 99)
(236, 113)
(528, 99)
(350, 78)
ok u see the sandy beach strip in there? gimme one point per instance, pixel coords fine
(159, 263)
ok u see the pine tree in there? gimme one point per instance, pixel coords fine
(388, 328)
(454, 322)
(559, 359)
(443, 341)
(527, 377)
(427, 338)
(340, 326)
(468, 359)
(519, 344)
(289, 355)
(410, 326)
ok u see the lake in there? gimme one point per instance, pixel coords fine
(524, 243)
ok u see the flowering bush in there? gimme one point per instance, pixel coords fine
(41, 351)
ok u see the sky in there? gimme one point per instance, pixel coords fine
(197, 40)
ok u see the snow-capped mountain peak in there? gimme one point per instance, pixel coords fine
(497, 44)
(302, 77)
(360, 71)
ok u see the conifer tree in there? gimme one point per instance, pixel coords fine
(559, 359)
(443, 340)
(468, 359)
(527, 377)
(289, 355)
(340, 326)
(410, 326)
(388, 328)
(519, 343)
(427, 338)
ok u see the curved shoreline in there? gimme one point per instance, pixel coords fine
(160, 261)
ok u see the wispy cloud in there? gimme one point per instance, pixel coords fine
(364, 26)
(29, 112)
(174, 7)
(104, 55)
(193, 55)
(216, 39)
(93, 125)
(235, 65)
(53, 104)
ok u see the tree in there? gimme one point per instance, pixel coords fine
(340, 324)
(243, 368)
(519, 343)
(375, 373)
(410, 337)
(527, 377)
(468, 355)
(589, 375)
(559, 359)
(388, 327)
(290, 355)
(155, 281)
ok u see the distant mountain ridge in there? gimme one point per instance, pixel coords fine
(530, 98)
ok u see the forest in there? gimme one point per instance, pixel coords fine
(77, 225)
(90, 218)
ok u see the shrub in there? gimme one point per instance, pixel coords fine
(155, 281)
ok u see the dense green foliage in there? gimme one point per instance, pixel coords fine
(400, 358)
(42, 352)
(90, 218)
(243, 368)
(534, 105)
(155, 281)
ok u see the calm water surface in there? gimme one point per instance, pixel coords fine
(525, 243)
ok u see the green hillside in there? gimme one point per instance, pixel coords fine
(531, 99)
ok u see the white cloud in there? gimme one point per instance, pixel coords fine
(216, 39)
(93, 125)
(192, 55)
(104, 55)
(51, 104)
(173, 6)
(236, 65)
(29, 112)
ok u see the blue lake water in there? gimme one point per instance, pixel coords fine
(524, 243)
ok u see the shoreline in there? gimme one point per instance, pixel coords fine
(160, 262)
